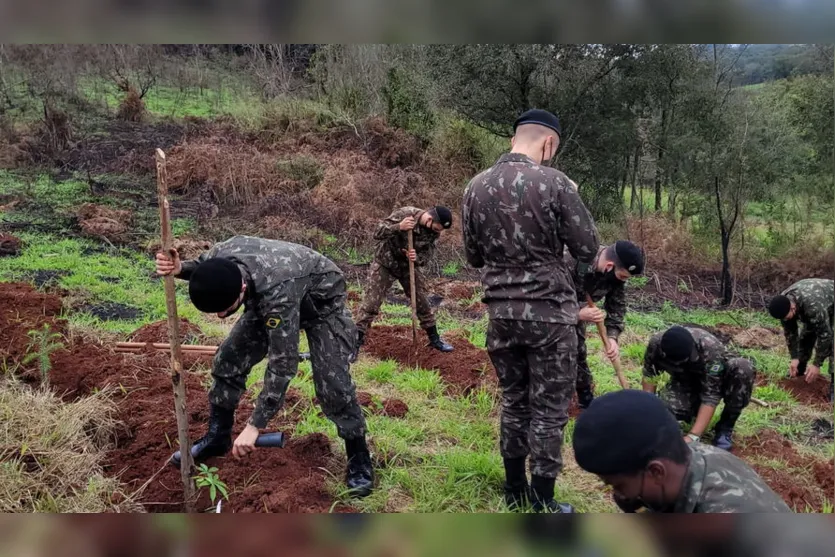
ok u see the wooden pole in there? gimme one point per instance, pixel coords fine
(412, 287)
(174, 338)
(601, 330)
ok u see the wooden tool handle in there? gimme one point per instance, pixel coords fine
(412, 285)
(601, 329)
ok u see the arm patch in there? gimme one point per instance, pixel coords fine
(272, 322)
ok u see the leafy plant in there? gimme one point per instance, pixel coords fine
(208, 477)
(44, 342)
(451, 269)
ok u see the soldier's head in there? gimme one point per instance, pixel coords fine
(677, 344)
(782, 308)
(217, 286)
(536, 133)
(437, 218)
(623, 259)
(633, 443)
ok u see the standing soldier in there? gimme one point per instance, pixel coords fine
(605, 277)
(391, 262)
(810, 302)
(702, 373)
(284, 288)
(518, 216)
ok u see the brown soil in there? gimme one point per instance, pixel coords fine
(280, 480)
(465, 369)
(9, 245)
(187, 249)
(755, 337)
(158, 332)
(804, 481)
(98, 221)
(391, 407)
(811, 394)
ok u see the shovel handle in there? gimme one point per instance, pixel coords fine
(270, 440)
(601, 330)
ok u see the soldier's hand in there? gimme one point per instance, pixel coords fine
(793, 368)
(408, 223)
(612, 350)
(592, 315)
(812, 373)
(168, 265)
(245, 443)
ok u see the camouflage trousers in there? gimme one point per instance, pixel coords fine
(585, 381)
(683, 398)
(536, 366)
(331, 340)
(380, 280)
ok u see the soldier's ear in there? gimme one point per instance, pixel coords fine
(657, 470)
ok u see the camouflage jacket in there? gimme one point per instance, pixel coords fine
(599, 286)
(707, 364)
(719, 482)
(391, 241)
(815, 299)
(518, 217)
(288, 285)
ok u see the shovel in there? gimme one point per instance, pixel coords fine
(272, 440)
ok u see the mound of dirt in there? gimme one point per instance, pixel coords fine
(755, 337)
(289, 480)
(812, 394)
(98, 221)
(803, 481)
(9, 245)
(158, 332)
(465, 369)
(92, 211)
(391, 407)
(188, 249)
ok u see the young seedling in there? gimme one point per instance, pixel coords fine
(207, 477)
(44, 342)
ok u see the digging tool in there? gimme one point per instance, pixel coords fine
(762, 403)
(601, 329)
(272, 440)
(174, 336)
(203, 350)
(413, 287)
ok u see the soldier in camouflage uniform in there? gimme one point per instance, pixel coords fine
(809, 302)
(605, 278)
(702, 372)
(634, 444)
(284, 288)
(391, 262)
(518, 216)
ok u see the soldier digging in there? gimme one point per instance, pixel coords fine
(284, 288)
(518, 217)
(391, 262)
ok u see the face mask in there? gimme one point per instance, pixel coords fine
(546, 162)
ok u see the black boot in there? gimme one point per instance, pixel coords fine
(217, 441)
(360, 475)
(723, 433)
(542, 496)
(516, 488)
(584, 398)
(435, 340)
(360, 341)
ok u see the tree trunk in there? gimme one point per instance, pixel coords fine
(658, 171)
(635, 158)
(727, 279)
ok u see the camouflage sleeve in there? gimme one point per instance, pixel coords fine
(819, 323)
(615, 306)
(472, 247)
(425, 254)
(790, 330)
(650, 355)
(390, 226)
(281, 317)
(191, 265)
(714, 373)
(576, 226)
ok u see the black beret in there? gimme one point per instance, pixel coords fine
(623, 431)
(541, 117)
(677, 343)
(631, 257)
(779, 307)
(215, 285)
(441, 215)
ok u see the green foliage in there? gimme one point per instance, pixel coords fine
(451, 269)
(407, 103)
(41, 346)
(304, 169)
(456, 139)
(208, 477)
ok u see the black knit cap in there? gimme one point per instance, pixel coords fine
(215, 285)
(779, 307)
(623, 431)
(441, 215)
(677, 343)
(630, 256)
(540, 117)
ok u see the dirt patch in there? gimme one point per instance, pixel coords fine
(465, 369)
(98, 221)
(111, 311)
(755, 337)
(812, 394)
(9, 245)
(158, 332)
(390, 407)
(279, 480)
(46, 277)
(802, 480)
(188, 249)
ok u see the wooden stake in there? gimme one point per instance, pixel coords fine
(413, 287)
(601, 330)
(174, 338)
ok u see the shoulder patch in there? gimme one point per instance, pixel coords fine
(716, 368)
(272, 322)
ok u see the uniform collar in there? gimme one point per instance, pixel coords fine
(693, 483)
(516, 157)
